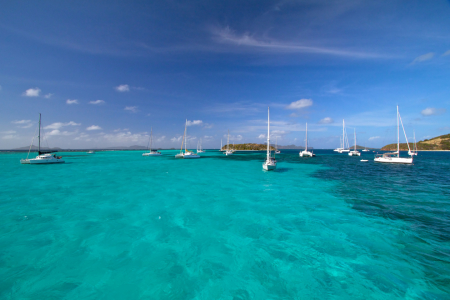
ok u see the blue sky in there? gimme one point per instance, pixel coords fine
(102, 74)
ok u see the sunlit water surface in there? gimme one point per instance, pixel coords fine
(117, 225)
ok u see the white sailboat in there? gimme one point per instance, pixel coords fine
(44, 157)
(306, 153)
(228, 152)
(276, 146)
(181, 154)
(152, 152)
(414, 152)
(271, 162)
(394, 157)
(343, 147)
(365, 148)
(187, 154)
(199, 149)
(354, 152)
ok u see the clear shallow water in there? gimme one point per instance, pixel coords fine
(116, 225)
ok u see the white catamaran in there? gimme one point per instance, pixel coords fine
(344, 142)
(306, 153)
(276, 146)
(414, 152)
(187, 153)
(271, 162)
(394, 157)
(228, 152)
(152, 152)
(354, 152)
(199, 147)
(44, 157)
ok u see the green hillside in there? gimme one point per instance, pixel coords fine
(441, 142)
(248, 146)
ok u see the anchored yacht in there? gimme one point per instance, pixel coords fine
(271, 162)
(45, 156)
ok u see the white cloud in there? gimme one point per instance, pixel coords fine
(21, 122)
(94, 127)
(431, 111)
(10, 137)
(131, 108)
(127, 137)
(373, 138)
(195, 122)
(123, 88)
(422, 58)
(25, 123)
(326, 120)
(176, 139)
(72, 101)
(446, 53)
(161, 138)
(48, 96)
(262, 136)
(299, 104)
(32, 92)
(97, 102)
(58, 125)
(8, 132)
(208, 126)
(57, 132)
(249, 41)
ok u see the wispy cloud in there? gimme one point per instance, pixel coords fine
(97, 102)
(133, 109)
(160, 139)
(299, 104)
(123, 88)
(94, 127)
(21, 122)
(48, 96)
(431, 111)
(24, 123)
(373, 138)
(423, 58)
(326, 120)
(70, 102)
(446, 53)
(194, 122)
(247, 40)
(262, 137)
(58, 132)
(58, 125)
(176, 139)
(32, 92)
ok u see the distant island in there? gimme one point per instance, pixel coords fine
(441, 142)
(259, 147)
(248, 147)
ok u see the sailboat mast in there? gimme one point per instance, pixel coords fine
(306, 141)
(398, 136)
(228, 140)
(185, 137)
(354, 132)
(343, 134)
(39, 147)
(268, 133)
(182, 140)
(151, 138)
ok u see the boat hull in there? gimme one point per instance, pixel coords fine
(354, 153)
(269, 166)
(191, 156)
(35, 161)
(151, 154)
(306, 154)
(394, 160)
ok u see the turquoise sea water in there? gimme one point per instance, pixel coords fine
(116, 225)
